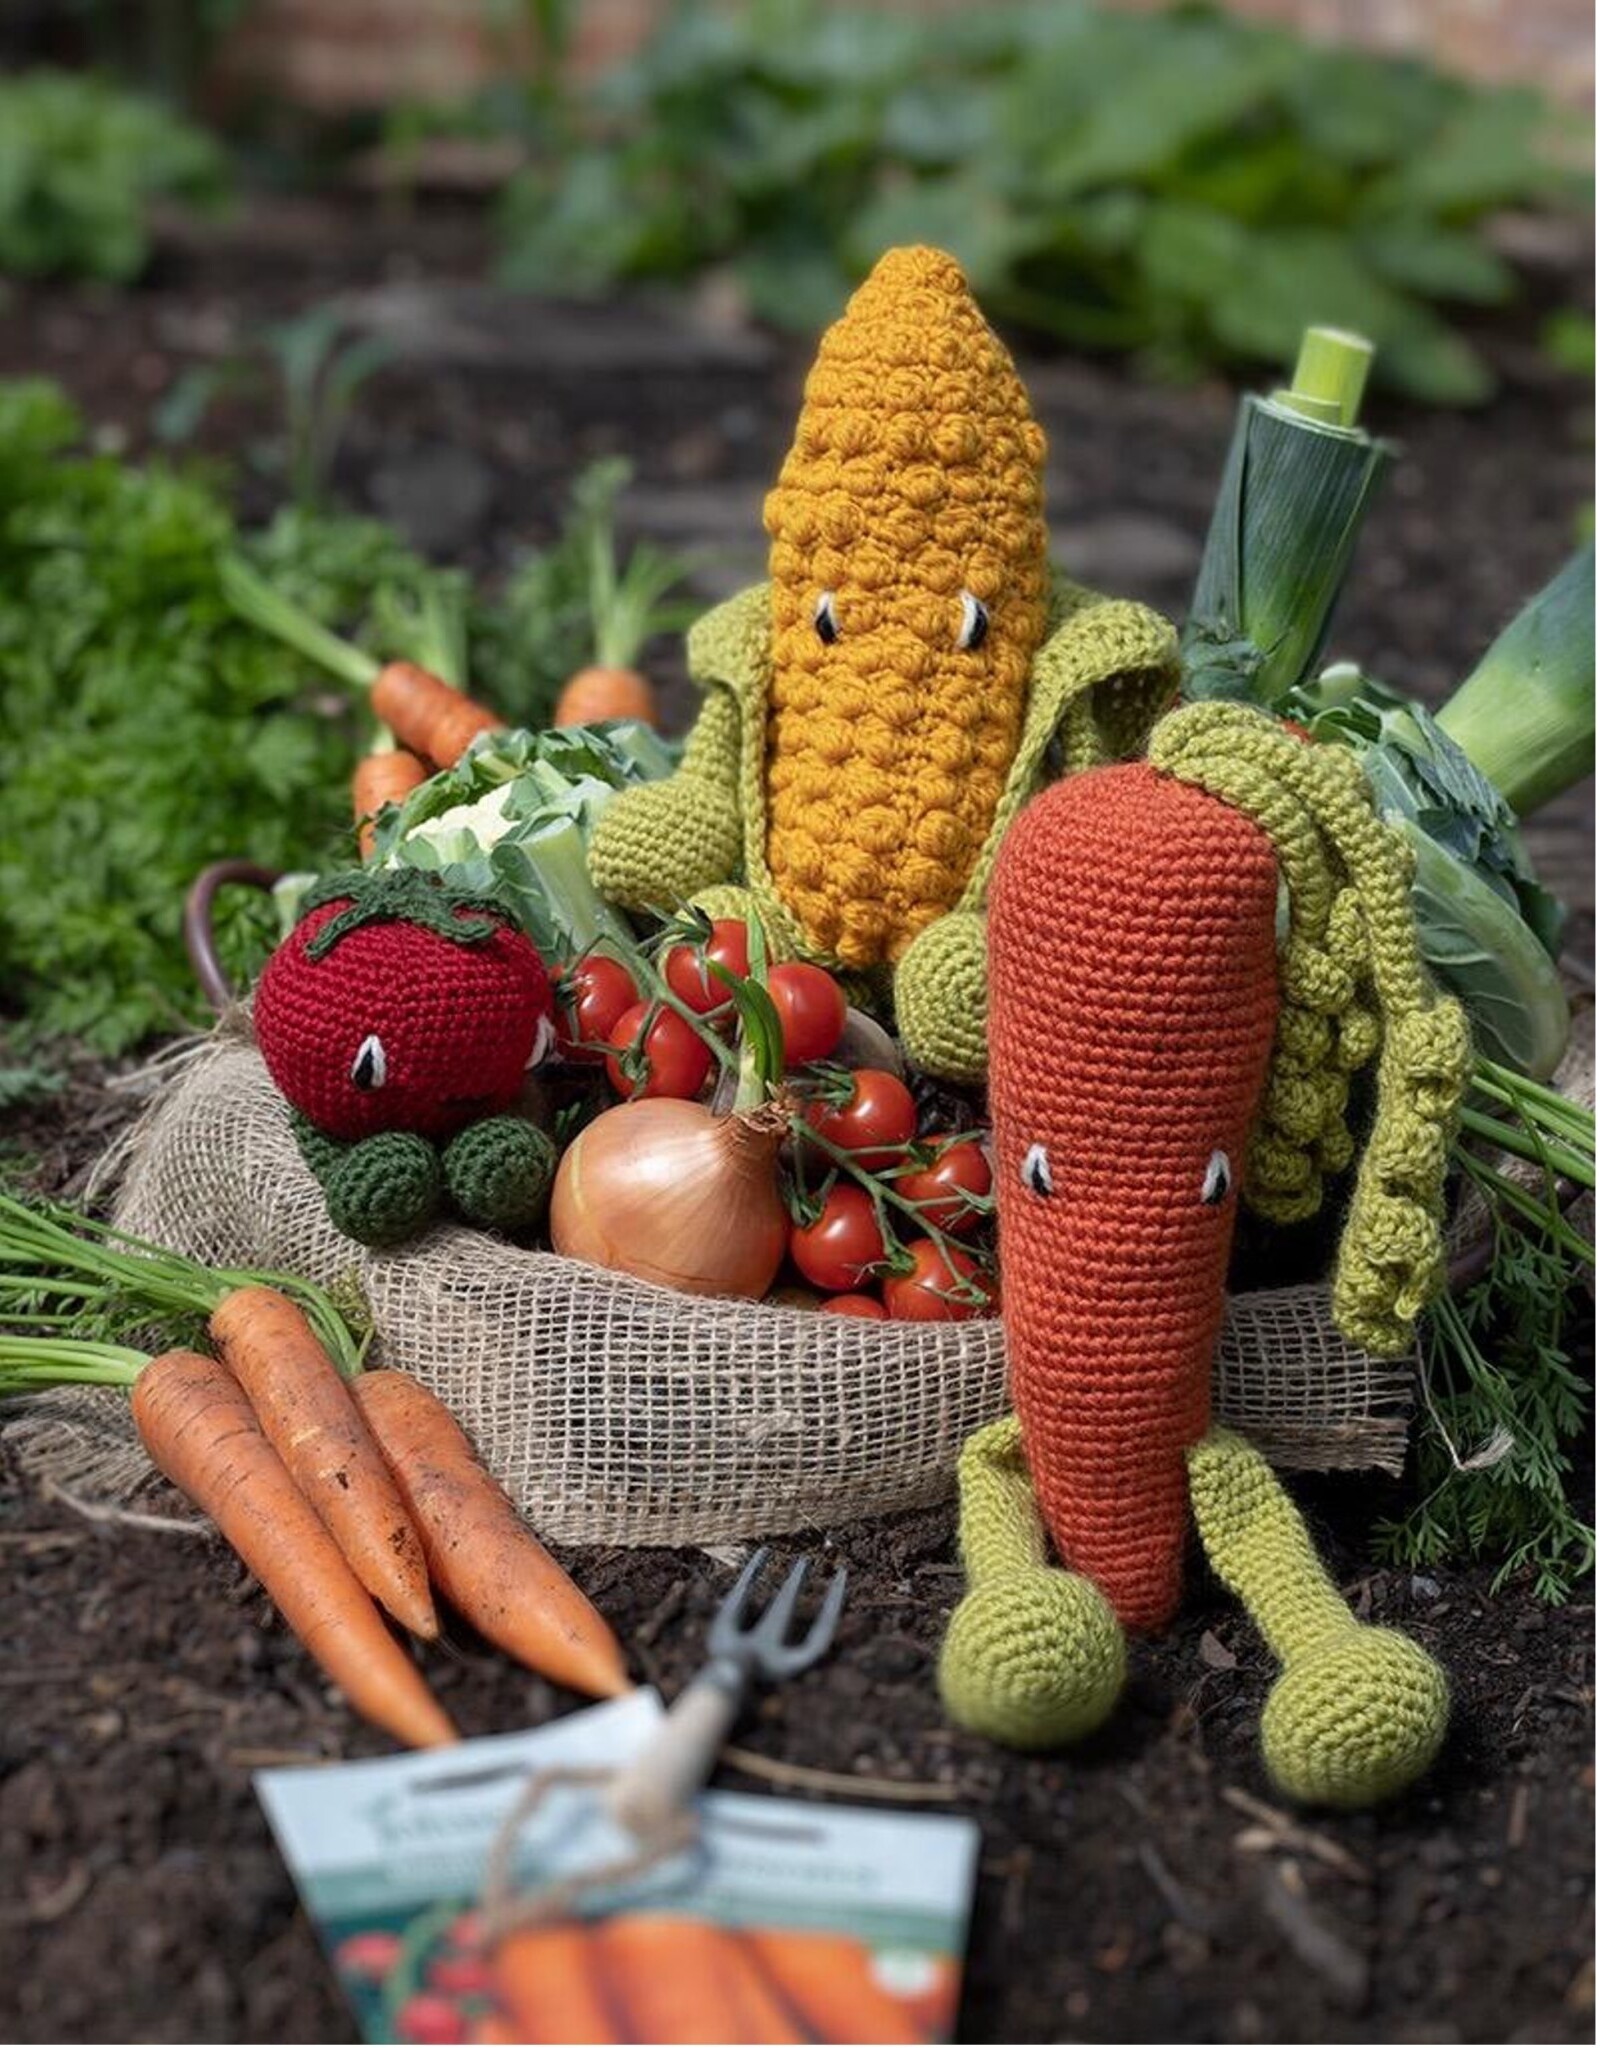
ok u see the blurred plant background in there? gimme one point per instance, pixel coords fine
(1180, 185)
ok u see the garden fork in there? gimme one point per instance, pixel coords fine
(651, 1797)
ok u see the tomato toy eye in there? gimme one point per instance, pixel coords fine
(371, 1066)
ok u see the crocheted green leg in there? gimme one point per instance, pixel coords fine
(1033, 1656)
(941, 992)
(499, 1171)
(1358, 1711)
(653, 847)
(381, 1190)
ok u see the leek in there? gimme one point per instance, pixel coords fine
(1300, 477)
(1525, 715)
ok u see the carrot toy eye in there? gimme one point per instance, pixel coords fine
(1214, 1189)
(1036, 1174)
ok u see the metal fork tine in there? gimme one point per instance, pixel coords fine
(727, 1623)
(774, 1624)
(820, 1633)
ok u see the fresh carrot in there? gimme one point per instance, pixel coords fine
(199, 1428)
(430, 716)
(1133, 1001)
(827, 1980)
(386, 775)
(490, 2028)
(597, 693)
(309, 1418)
(678, 1979)
(482, 1557)
(548, 1980)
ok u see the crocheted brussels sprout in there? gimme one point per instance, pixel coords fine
(1191, 954)
(399, 1017)
(878, 712)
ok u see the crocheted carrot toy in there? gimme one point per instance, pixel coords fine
(1157, 1049)
(399, 1017)
(876, 714)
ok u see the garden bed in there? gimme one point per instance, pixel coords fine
(1136, 1889)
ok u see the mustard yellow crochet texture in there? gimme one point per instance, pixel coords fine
(910, 593)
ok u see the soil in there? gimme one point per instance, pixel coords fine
(1149, 1886)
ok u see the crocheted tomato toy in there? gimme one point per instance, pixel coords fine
(399, 1016)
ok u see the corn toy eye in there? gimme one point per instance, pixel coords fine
(1036, 1175)
(1218, 1181)
(825, 619)
(370, 1068)
(974, 622)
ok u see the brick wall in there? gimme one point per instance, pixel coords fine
(337, 56)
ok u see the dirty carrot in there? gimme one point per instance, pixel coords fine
(199, 1428)
(309, 1418)
(430, 716)
(678, 1979)
(548, 1980)
(386, 775)
(482, 1557)
(597, 693)
(827, 1980)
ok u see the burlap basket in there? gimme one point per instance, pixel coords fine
(616, 1412)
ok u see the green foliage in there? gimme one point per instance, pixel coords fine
(80, 163)
(1503, 1408)
(157, 731)
(1185, 185)
(153, 732)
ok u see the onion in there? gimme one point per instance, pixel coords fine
(666, 1191)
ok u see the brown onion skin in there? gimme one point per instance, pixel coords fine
(666, 1191)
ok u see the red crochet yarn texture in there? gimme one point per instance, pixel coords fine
(1133, 1001)
(454, 1025)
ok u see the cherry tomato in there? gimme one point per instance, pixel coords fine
(864, 1305)
(428, 2017)
(600, 989)
(810, 1006)
(369, 1956)
(686, 969)
(875, 1123)
(837, 1251)
(677, 1059)
(926, 1293)
(461, 1976)
(959, 1169)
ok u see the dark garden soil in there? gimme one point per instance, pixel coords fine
(1148, 1887)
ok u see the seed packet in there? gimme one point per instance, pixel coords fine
(786, 1921)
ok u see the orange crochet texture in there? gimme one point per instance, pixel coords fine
(1133, 999)
(907, 524)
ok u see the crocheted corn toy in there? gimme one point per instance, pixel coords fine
(1190, 955)
(877, 713)
(399, 1018)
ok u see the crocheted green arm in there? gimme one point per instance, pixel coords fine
(379, 1190)
(1358, 1712)
(1107, 670)
(658, 845)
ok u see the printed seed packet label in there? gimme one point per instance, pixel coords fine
(786, 1922)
